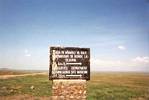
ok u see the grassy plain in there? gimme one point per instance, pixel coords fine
(102, 86)
(118, 86)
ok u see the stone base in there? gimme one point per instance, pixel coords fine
(69, 90)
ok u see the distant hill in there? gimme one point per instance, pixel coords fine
(7, 71)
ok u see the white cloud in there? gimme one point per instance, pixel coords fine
(26, 50)
(136, 64)
(27, 54)
(106, 62)
(121, 47)
(141, 59)
(109, 65)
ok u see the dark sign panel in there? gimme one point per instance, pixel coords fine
(69, 63)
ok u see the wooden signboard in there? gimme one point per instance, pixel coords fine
(69, 63)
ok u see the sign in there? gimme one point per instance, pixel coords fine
(69, 63)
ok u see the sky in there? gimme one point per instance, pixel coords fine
(116, 31)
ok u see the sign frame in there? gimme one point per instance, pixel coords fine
(83, 61)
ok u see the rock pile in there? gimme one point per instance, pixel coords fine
(69, 90)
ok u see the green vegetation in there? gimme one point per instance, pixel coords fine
(118, 86)
(38, 85)
(102, 86)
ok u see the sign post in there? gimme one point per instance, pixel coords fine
(69, 69)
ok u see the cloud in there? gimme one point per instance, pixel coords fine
(141, 59)
(27, 54)
(105, 62)
(26, 50)
(110, 65)
(137, 64)
(121, 47)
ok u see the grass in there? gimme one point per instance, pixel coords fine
(118, 86)
(23, 85)
(102, 86)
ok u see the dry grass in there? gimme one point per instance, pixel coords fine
(102, 86)
(118, 86)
